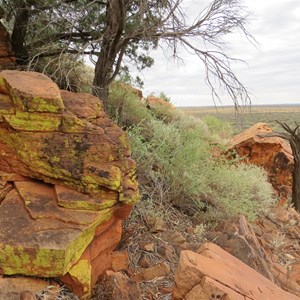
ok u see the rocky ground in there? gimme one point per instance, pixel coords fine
(152, 246)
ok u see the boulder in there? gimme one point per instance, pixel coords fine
(215, 274)
(272, 153)
(66, 182)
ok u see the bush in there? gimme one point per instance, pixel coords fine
(217, 127)
(171, 159)
(240, 189)
(125, 106)
(176, 166)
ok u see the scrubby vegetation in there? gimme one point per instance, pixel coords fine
(180, 162)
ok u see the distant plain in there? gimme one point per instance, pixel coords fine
(248, 116)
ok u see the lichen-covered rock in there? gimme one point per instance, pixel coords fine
(43, 139)
(272, 153)
(66, 181)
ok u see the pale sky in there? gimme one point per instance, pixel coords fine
(272, 72)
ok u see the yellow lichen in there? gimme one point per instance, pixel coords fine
(82, 273)
(84, 205)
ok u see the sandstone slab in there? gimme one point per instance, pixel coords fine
(222, 275)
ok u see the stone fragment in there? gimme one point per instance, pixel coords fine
(149, 247)
(144, 261)
(159, 270)
(120, 261)
(167, 252)
(121, 287)
(213, 275)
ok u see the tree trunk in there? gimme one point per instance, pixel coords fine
(107, 67)
(292, 135)
(296, 186)
(19, 34)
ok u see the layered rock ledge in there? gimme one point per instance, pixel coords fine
(66, 182)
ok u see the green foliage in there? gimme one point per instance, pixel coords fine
(170, 159)
(176, 163)
(218, 127)
(163, 96)
(125, 106)
(239, 189)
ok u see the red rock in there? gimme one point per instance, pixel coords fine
(26, 295)
(7, 59)
(214, 275)
(272, 153)
(144, 261)
(294, 274)
(167, 252)
(66, 182)
(120, 261)
(149, 247)
(12, 287)
(159, 270)
(121, 287)
(269, 247)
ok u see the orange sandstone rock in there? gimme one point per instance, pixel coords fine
(272, 153)
(66, 182)
(218, 275)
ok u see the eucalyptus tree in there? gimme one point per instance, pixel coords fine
(119, 33)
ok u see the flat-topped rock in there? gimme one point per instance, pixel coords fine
(32, 91)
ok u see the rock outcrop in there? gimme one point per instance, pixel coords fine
(67, 181)
(272, 153)
(7, 59)
(212, 273)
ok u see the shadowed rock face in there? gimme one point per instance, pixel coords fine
(6, 57)
(66, 180)
(272, 153)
